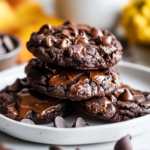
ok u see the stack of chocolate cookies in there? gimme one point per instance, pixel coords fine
(74, 68)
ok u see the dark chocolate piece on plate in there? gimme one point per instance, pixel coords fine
(56, 148)
(69, 83)
(80, 123)
(59, 122)
(27, 121)
(124, 143)
(75, 45)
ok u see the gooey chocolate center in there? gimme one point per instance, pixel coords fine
(30, 100)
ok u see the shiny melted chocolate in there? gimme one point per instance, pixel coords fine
(33, 101)
(100, 105)
(71, 33)
(64, 76)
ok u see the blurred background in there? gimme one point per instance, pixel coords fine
(128, 19)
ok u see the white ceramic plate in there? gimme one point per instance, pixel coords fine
(99, 131)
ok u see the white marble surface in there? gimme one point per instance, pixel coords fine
(140, 142)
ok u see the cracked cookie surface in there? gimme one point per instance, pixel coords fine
(68, 83)
(125, 104)
(75, 45)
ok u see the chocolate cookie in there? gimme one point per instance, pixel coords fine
(30, 104)
(125, 104)
(68, 83)
(75, 45)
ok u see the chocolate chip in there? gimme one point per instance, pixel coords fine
(126, 96)
(95, 32)
(49, 42)
(80, 123)
(124, 143)
(56, 148)
(64, 43)
(59, 122)
(145, 104)
(2, 50)
(69, 22)
(70, 52)
(28, 121)
(81, 39)
(45, 29)
(24, 82)
(15, 87)
(8, 43)
(106, 40)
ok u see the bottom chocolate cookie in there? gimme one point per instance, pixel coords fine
(20, 101)
(125, 104)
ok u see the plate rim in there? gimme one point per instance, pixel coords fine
(38, 127)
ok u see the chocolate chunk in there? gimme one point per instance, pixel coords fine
(95, 32)
(56, 148)
(59, 122)
(69, 22)
(2, 50)
(15, 87)
(49, 42)
(45, 29)
(106, 40)
(124, 143)
(146, 104)
(28, 121)
(81, 39)
(126, 96)
(8, 43)
(80, 123)
(63, 43)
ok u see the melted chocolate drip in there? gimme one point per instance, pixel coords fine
(66, 76)
(30, 100)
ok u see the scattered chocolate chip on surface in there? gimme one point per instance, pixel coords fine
(27, 121)
(59, 122)
(56, 148)
(124, 143)
(80, 123)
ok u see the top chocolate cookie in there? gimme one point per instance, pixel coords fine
(75, 45)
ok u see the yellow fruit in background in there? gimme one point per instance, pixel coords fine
(139, 21)
(7, 15)
(136, 22)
